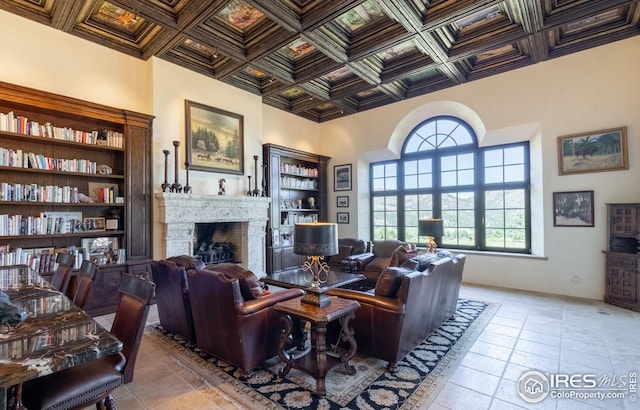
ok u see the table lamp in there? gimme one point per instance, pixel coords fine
(433, 229)
(315, 240)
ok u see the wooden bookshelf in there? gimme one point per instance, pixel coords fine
(100, 154)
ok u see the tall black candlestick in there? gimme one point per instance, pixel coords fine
(264, 180)
(165, 185)
(176, 187)
(187, 188)
(256, 191)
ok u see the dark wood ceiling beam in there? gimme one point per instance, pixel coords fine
(279, 12)
(326, 11)
(557, 16)
(64, 15)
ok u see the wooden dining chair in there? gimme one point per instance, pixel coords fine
(85, 283)
(93, 382)
(62, 276)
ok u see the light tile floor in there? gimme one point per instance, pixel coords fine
(553, 334)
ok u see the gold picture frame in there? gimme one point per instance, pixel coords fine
(595, 151)
(215, 139)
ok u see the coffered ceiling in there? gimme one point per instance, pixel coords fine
(325, 59)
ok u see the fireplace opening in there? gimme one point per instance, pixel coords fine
(215, 242)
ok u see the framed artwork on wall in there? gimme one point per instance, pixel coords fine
(343, 217)
(594, 151)
(342, 177)
(215, 139)
(573, 208)
(342, 202)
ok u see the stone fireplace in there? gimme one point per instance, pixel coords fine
(179, 214)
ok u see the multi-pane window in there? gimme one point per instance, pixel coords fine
(482, 194)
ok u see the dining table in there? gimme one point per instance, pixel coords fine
(55, 335)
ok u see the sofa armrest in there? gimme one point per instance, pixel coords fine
(366, 298)
(254, 305)
(357, 262)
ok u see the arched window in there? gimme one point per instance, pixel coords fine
(482, 194)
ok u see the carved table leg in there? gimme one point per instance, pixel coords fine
(319, 340)
(285, 340)
(347, 333)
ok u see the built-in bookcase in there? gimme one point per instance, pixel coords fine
(74, 177)
(297, 185)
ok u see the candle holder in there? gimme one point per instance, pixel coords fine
(166, 186)
(249, 191)
(187, 188)
(176, 187)
(256, 191)
(264, 180)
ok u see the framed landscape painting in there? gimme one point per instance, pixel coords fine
(215, 139)
(573, 208)
(595, 151)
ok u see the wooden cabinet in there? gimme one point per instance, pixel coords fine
(622, 286)
(72, 171)
(296, 181)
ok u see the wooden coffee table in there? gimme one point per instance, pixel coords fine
(315, 361)
(298, 279)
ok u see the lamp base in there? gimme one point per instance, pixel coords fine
(315, 296)
(432, 246)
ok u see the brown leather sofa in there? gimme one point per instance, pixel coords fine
(372, 263)
(405, 307)
(243, 331)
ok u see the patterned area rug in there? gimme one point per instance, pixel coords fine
(421, 374)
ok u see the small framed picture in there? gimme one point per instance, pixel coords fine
(93, 224)
(573, 208)
(342, 177)
(276, 237)
(342, 202)
(99, 247)
(343, 217)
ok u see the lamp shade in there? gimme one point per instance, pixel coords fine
(430, 227)
(315, 239)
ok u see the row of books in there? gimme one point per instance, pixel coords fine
(40, 259)
(19, 159)
(288, 182)
(48, 223)
(38, 193)
(9, 122)
(298, 170)
(44, 259)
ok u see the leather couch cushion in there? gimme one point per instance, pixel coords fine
(187, 262)
(389, 281)
(401, 255)
(248, 281)
(343, 252)
(359, 245)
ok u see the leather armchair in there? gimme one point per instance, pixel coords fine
(173, 298)
(347, 247)
(241, 332)
(372, 263)
(404, 309)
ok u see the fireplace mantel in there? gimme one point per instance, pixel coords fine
(180, 212)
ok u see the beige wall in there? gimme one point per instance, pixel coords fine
(591, 90)
(587, 91)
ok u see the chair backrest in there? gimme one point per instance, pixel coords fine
(62, 276)
(85, 283)
(131, 317)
